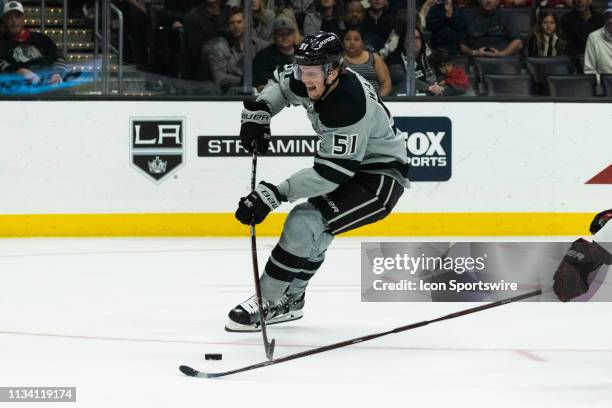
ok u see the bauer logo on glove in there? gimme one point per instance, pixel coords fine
(255, 127)
(255, 207)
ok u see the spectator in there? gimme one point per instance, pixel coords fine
(366, 63)
(328, 17)
(280, 52)
(544, 40)
(263, 16)
(455, 80)
(577, 24)
(424, 75)
(173, 16)
(204, 23)
(355, 13)
(225, 53)
(377, 23)
(26, 52)
(556, 3)
(598, 56)
(424, 12)
(515, 3)
(262, 19)
(489, 32)
(447, 25)
(296, 9)
(136, 23)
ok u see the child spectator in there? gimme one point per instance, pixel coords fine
(455, 80)
(544, 40)
(327, 17)
(366, 63)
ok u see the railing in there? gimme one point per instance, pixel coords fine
(102, 14)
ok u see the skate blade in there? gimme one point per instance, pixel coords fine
(234, 327)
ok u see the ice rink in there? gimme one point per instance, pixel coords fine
(116, 317)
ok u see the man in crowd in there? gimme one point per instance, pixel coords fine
(598, 53)
(578, 24)
(489, 32)
(28, 53)
(225, 53)
(279, 53)
(377, 23)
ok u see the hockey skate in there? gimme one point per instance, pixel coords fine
(245, 316)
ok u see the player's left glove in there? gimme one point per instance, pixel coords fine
(571, 277)
(255, 207)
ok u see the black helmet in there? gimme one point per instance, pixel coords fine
(320, 48)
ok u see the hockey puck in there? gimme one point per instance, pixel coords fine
(213, 356)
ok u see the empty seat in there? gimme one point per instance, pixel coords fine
(541, 67)
(522, 17)
(509, 85)
(572, 85)
(496, 66)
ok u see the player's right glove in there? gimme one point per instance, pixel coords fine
(255, 127)
(571, 277)
(255, 207)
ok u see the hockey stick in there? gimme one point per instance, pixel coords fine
(268, 346)
(195, 373)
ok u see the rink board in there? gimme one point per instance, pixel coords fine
(73, 169)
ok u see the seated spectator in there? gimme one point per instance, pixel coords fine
(280, 52)
(544, 40)
(447, 25)
(556, 3)
(424, 74)
(26, 52)
(328, 17)
(262, 17)
(225, 53)
(577, 24)
(366, 63)
(355, 13)
(296, 9)
(173, 16)
(515, 3)
(424, 12)
(455, 80)
(377, 23)
(598, 55)
(489, 32)
(204, 23)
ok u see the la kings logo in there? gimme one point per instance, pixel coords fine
(429, 146)
(157, 146)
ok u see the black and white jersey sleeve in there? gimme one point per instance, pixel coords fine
(283, 90)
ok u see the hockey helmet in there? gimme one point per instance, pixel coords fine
(319, 48)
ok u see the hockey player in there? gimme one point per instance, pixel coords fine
(359, 172)
(584, 257)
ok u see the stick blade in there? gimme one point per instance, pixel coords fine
(189, 371)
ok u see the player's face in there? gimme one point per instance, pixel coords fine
(14, 22)
(314, 79)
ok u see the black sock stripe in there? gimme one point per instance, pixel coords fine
(278, 273)
(288, 259)
(312, 266)
(304, 276)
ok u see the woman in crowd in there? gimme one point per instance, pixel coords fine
(545, 39)
(366, 63)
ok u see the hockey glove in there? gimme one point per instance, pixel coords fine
(571, 277)
(255, 127)
(255, 207)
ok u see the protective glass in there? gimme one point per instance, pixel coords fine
(309, 73)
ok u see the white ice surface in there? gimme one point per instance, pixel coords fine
(116, 317)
